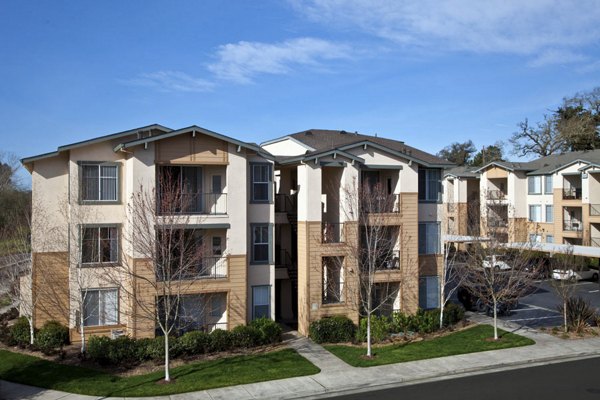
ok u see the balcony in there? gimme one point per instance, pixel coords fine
(286, 203)
(390, 262)
(595, 241)
(209, 268)
(572, 226)
(495, 195)
(332, 232)
(198, 203)
(497, 223)
(594, 210)
(382, 204)
(572, 193)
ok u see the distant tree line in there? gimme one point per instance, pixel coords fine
(572, 126)
(15, 201)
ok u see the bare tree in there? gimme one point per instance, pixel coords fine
(375, 248)
(452, 279)
(9, 165)
(564, 288)
(542, 140)
(165, 261)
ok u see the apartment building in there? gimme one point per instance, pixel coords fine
(553, 199)
(272, 218)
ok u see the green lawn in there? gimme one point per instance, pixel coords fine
(470, 340)
(194, 376)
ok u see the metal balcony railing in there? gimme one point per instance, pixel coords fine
(383, 204)
(572, 193)
(572, 226)
(208, 268)
(286, 203)
(198, 203)
(496, 195)
(332, 232)
(390, 261)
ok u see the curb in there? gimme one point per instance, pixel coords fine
(450, 375)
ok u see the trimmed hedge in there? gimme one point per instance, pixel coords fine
(336, 329)
(52, 337)
(19, 333)
(125, 350)
(381, 327)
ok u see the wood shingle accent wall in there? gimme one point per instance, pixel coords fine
(50, 287)
(186, 149)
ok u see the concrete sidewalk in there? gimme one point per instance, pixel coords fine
(336, 377)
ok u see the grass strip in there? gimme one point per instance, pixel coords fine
(471, 340)
(202, 375)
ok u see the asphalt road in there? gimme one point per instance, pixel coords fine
(565, 381)
(540, 308)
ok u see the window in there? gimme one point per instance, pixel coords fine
(549, 238)
(261, 301)
(429, 294)
(333, 280)
(429, 238)
(549, 213)
(535, 238)
(261, 244)
(430, 187)
(216, 246)
(534, 185)
(180, 190)
(548, 184)
(99, 245)
(99, 182)
(261, 183)
(535, 213)
(100, 307)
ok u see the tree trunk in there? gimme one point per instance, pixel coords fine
(82, 333)
(369, 335)
(442, 313)
(31, 333)
(167, 372)
(565, 315)
(495, 320)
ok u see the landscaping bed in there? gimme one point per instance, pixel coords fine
(469, 340)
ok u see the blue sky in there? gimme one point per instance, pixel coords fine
(425, 72)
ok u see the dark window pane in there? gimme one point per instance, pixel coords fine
(90, 182)
(89, 244)
(91, 311)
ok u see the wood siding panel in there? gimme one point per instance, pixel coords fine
(496, 172)
(186, 149)
(50, 288)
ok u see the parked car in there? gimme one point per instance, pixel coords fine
(497, 262)
(474, 303)
(575, 275)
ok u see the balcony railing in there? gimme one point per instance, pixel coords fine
(496, 195)
(391, 261)
(285, 202)
(208, 268)
(497, 223)
(595, 209)
(595, 242)
(572, 226)
(199, 203)
(572, 193)
(283, 258)
(383, 204)
(332, 232)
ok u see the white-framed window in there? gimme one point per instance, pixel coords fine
(549, 213)
(99, 244)
(535, 213)
(429, 292)
(429, 238)
(99, 182)
(261, 301)
(430, 185)
(261, 181)
(535, 238)
(260, 243)
(100, 307)
(534, 185)
(548, 185)
(549, 238)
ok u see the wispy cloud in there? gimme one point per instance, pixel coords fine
(553, 56)
(171, 81)
(241, 62)
(534, 28)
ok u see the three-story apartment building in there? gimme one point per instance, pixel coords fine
(272, 219)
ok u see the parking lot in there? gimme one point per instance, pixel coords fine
(539, 309)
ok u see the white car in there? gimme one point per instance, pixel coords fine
(495, 262)
(575, 275)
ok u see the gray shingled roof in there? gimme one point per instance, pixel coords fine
(323, 139)
(464, 171)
